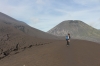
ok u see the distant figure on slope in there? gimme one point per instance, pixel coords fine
(68, 39)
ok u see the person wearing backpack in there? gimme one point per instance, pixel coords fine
(68, 39)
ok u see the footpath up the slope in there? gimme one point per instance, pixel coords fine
(79, 53)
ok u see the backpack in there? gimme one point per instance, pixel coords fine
(67, 37)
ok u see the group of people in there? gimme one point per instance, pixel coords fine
(68, 39)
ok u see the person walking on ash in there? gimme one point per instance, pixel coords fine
(68, 39)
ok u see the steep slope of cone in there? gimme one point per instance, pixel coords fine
(16, 36)
(77, 29)
(24, 27)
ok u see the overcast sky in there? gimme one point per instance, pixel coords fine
(45, 14)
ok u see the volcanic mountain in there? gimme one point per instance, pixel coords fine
(24, 27)
(16, 36)
(77, 29)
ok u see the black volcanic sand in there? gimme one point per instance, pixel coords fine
(79, 53)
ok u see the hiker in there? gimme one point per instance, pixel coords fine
(68, 39)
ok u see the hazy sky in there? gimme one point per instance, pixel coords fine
(45, 14)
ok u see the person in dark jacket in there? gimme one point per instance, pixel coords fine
(68, 39)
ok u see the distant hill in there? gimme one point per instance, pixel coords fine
(77, 29)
